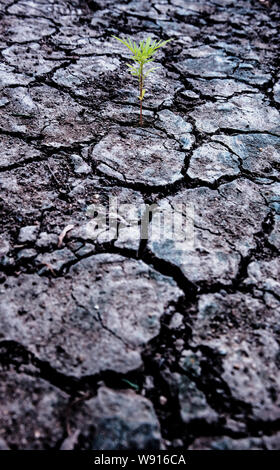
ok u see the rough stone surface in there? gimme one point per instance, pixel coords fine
(139, 266)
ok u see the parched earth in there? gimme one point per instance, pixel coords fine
(117, 340)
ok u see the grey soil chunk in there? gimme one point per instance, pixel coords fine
(57, 260)
(15, 151)
(32, 412)
(271, 193)
(80, 166)
(162, 87)
(181, 30)
(240, 329)
(260, 153)
(265, 275)
(47, 240)
(49, 113)
(212, 161)
(26, 254)
(175, 126)
(34, 59)
(8, 77)
(3, 445)
(61, 11)
(31, 29)
(242, 113)
(139, 157)
(123, 420)
(97, 318)
(220, 88)
(276, 91)
(207, 63)
(28, 234)
(274, 237)
(125, 114)
(4, 244)
(193, 403)
(27, 190)
(227, 443)
(80, 77)
(219, 226)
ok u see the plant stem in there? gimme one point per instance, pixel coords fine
(141, 91)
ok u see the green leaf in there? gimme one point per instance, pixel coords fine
(133, 70)
(130, 44)
(162, 43)
(147, 45)
(131, 384)
(149, 71)
(123, 41)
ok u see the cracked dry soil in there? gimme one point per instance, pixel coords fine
(122, 343)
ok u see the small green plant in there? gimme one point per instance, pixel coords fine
(141, 55)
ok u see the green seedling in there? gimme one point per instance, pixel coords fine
(131, 384)
(141, 55)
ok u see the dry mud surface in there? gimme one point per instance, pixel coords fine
(117, 342)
